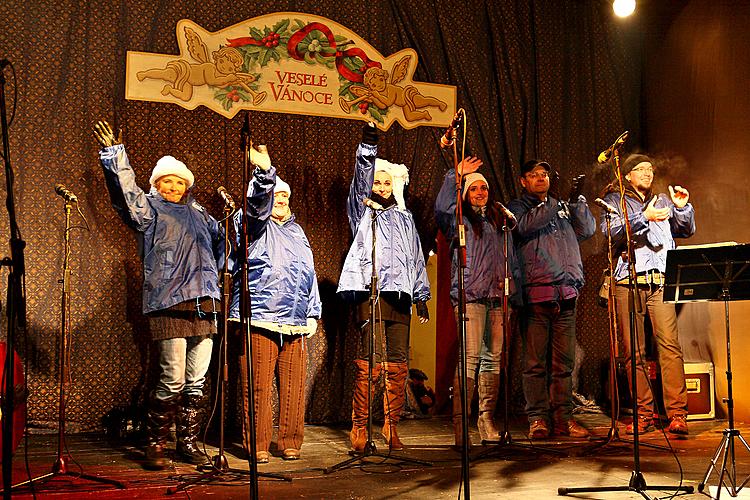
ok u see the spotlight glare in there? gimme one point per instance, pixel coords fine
(623, 8)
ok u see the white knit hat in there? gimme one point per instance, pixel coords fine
(281, 186)
(169, 165)
(399, 178)
(470, 179)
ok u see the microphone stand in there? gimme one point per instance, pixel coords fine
(370, 449)
(637, 482)
(60, 467)
(461, 318)
(506, 443)
(16, 308)
(219, 465)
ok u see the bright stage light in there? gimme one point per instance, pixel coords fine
(623, 8)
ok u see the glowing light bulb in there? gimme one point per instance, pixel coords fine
(623, 8)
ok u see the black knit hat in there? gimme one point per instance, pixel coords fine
(532, 164)
(632, 160)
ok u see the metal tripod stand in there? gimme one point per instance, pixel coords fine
(63, 459)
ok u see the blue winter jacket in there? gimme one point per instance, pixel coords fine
(652, 239)
(181, 245)
(484, 276)
(547, 238)
(401, 266)
(281, 275)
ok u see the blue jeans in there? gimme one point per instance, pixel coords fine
(549, 339)
(484, 338)
(184, 363)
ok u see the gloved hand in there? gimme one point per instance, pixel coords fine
(370, 134)
(576, 189)
(422, 312)
(104, 134)
(259, 157)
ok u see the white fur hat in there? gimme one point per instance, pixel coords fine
(400, 178)
(281, 186)
(470, 179)
(169, 165)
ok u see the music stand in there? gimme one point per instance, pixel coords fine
(712, 273)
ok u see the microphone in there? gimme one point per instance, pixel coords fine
(372, 204)
(606, 206)
(226, 196)
(66, 193)
(447, 139)
(605, 155)
(505, 211)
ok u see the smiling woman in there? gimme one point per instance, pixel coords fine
(181, 289)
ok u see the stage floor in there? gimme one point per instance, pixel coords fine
(505, 472)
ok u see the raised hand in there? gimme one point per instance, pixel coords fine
(259, 157)
(577, 188)
(679, 195)
(469, 164)
(104, 134)
(656, 214)
(370, 134)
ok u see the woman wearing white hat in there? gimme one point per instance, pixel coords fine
(285, 307)
(402, 280)
(182, 248)
(484, 286)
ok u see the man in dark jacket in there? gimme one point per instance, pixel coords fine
(547, 238)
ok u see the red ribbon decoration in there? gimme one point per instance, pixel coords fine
(340, 66)
(245, 40)
(295, 54)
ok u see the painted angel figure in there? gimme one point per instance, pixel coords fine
(384, 93)
(223, 72)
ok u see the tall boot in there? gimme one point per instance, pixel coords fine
(159, 419)
(457, 410)
(489, 384)
(189, 422)
(360, 410)
(393, 402)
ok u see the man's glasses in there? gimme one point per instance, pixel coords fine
(644, 170)
(541, 174)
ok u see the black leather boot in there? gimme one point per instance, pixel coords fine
(189, 425)
(159, 419)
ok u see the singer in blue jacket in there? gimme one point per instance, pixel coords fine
(182, 248)
(655, 220)
(547, 240)
(484, 286)
(402, 281)
(284, 309)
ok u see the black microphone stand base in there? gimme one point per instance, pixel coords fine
(727, 474)
(637, 484)
(60, 468)
(506, 445)
(370, 450)
(216, 470)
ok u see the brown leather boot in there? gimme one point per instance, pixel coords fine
(358, 434)
(189, 422)
(159, 419)
(457, 410)
(489, 383)
(393, 402)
